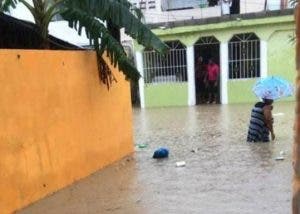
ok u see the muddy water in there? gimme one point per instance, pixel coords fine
(224, 174)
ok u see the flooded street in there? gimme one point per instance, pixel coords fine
(224, 174)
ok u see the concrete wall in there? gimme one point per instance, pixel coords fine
(281, 55)
(166, 94)
(58, 123)
(177, 15)
(251, 6)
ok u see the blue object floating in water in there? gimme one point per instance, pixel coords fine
(161, 153)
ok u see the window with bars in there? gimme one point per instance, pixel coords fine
(164, 69)
(244, 56)
(144, 4)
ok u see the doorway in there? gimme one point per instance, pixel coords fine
(206, 49)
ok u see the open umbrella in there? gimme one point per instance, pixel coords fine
(273, 88)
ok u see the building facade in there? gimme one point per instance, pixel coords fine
(246, 47)
(164, 11)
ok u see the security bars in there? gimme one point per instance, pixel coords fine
(244, 56)
(165, 69)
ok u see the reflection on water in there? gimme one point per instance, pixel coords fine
(224, 175)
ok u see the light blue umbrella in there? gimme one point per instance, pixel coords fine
(273, 88)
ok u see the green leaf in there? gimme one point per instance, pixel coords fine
(120, 15)
(86, 14)
(96, 30)
(5, 5)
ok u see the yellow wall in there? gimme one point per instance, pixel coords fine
(57, 122)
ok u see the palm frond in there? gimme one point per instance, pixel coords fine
(102, 41)
(52, 10)
(86, 14)
(134, 10)
(121, 16)
(5, 5)
(138, 13)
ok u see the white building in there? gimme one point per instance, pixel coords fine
(166, 11)
(156, 11)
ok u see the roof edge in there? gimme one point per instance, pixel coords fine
(227, 18)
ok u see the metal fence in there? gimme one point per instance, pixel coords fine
(164, 69)
(244, 56)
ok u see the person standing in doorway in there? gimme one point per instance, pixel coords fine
(201, 77)
(213, 72)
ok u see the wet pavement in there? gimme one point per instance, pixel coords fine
(223, 173)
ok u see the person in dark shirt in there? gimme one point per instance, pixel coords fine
(261, 122)
(201, 80)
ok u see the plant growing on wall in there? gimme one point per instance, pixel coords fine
(92, 16)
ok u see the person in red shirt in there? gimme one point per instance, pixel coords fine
(213, 72)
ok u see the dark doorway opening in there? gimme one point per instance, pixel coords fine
(206, 49)
(235, 7)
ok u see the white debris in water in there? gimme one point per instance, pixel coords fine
(282, 153)
(278, 114)
(180, 163)
(279, 158)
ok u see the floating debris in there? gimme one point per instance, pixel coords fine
(142, 145)
(279, 158)
(161, 153)
(180, 164)
(278, 114)
(195, 150)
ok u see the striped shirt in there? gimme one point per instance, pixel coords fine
(258, 131)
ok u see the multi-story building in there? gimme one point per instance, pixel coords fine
(251, 44)
(159, 11)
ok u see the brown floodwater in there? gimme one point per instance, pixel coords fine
(223, 173)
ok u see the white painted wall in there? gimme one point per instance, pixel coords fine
(191, 75)
(251, 6)
(263, 59)
(140, 67)
(152, 16)
(224, 72)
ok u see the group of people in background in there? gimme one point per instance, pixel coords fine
(207, 81)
